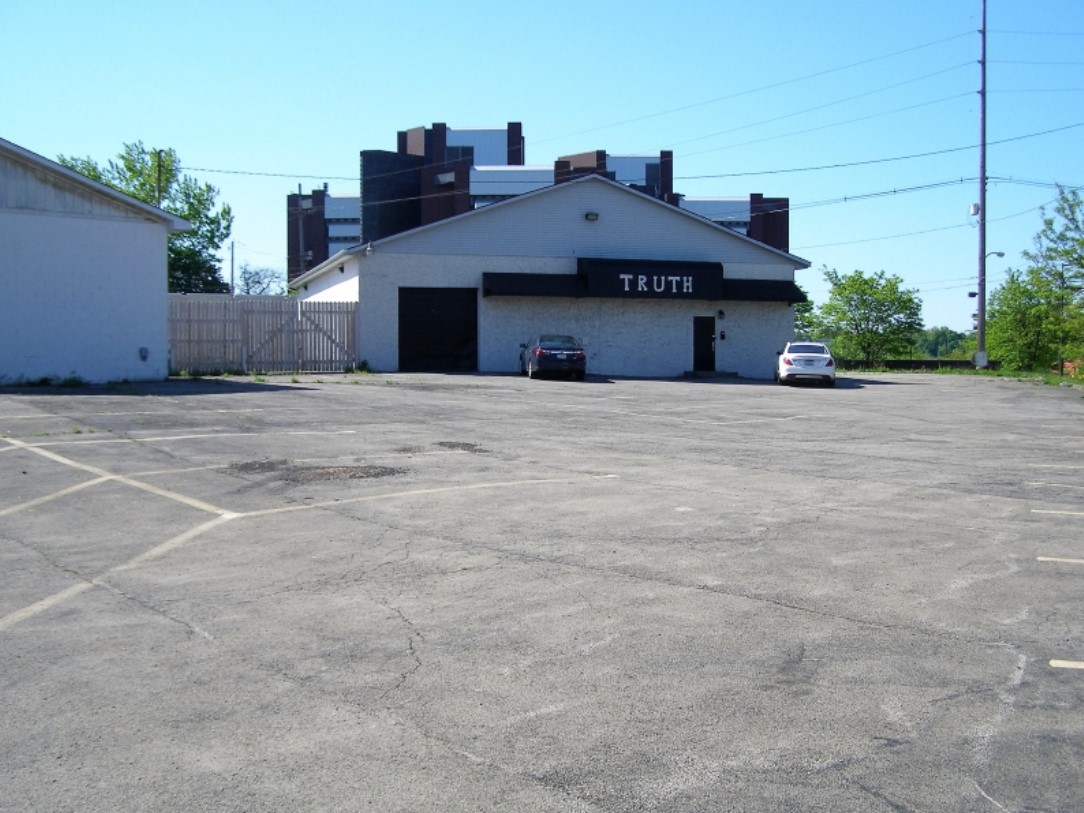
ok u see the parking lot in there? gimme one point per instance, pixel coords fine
(487, 593)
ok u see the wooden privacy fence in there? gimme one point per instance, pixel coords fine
(260, 334)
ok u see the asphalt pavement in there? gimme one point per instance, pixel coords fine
(418, 592)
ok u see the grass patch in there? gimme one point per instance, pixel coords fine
(1042, 377)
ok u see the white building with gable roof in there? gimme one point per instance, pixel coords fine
(651, 289)
(84, 273)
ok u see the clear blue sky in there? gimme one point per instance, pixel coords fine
(257, 98)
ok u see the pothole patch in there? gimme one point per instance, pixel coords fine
(460, 446)
(259, 466)
(327, 473)
(314, 474)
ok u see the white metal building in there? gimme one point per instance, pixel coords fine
(83, 269)
(734, 213)
(652, 290)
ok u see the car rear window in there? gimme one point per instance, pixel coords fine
(557, 341)
(819, 349)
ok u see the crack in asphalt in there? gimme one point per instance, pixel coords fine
(413, 634)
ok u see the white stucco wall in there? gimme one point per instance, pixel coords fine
(335, 286)
(82, 295)
(652, 338)
(545, 233)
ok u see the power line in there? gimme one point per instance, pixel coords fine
(882, 194)
(393, 173)
(827, 104)
(1028, 62)
(1037, 90)
(658, 114)
(924, 231)
(1037, 33)
(880, 160)
(783, 171)
(775, 136)
(1033, 182)
(760, 89)
(294, 175)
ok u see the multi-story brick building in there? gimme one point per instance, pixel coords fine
(438, 172)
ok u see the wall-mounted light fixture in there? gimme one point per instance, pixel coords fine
(591, 216)
(342, 269)
(722, 315)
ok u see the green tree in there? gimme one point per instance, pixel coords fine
(1037, 316)
(154, 176)
(941, 342)
(870, 317)
(1057, 272)
(1018, 326)
(806, 322)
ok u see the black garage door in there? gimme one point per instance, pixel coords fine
(438, 330)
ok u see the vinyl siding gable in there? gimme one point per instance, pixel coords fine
(553, 224)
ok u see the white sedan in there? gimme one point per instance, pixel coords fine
(811, 360)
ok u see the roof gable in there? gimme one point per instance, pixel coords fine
(31, 182)
(585, 191)
(553, 222)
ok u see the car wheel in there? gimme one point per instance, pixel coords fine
(830, 382)
(782, 382)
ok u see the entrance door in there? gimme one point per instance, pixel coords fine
(438, 330)
(704, 344)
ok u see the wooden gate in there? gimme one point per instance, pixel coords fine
(260, 334)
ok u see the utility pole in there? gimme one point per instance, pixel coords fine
(233, 290)
(980, 355)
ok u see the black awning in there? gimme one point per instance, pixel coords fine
(762, 290)
(564, 285)
(642, 279)
(651, 279)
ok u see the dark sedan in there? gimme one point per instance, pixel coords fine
(552, 353)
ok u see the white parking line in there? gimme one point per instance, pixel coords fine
(1067, 664)
(11, 619)
(12, 509)
(1059, 513)
(41, 415)
(1057, 559)
(1057, 485)
(168, 438)
(417, 492)
(120, 478)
